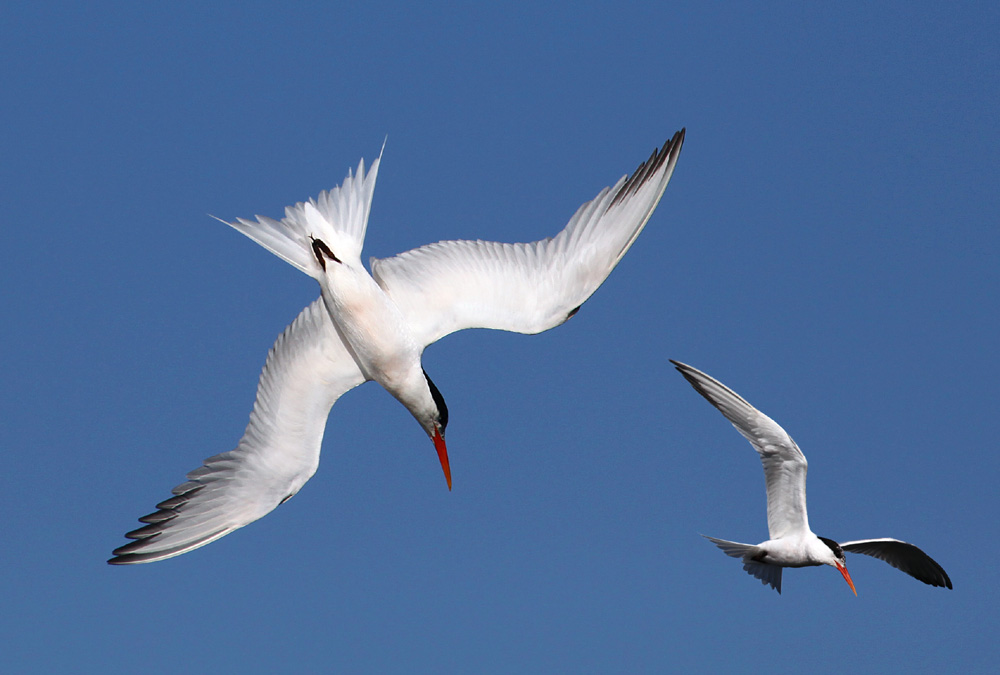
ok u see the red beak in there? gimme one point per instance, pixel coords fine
(442, 451)
(847, 578)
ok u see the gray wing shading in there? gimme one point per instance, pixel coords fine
(769, 575)
(784, 464)
(307, 370)
(525, 288)
(904, 557)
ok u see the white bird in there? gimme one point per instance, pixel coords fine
(792, 543)
(376, 326)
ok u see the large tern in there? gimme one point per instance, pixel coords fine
(376, 326)
(792, 543)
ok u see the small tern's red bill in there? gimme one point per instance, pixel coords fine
(847, 577)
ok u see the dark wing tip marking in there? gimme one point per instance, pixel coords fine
(130, 554)
(691, 375)
(906, 558)
(670, 150)
(182, 495)
(158, 521)
(694, 378)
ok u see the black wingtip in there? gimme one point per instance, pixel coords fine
(668, 153)
(156, 522)
(688, 373)
(905, 557)
(685, 370)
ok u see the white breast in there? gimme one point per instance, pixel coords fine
(371, 325)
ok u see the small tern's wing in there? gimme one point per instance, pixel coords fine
(904, 557)
(784, 464)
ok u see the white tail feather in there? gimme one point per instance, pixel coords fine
(338, 217)
(732, 548)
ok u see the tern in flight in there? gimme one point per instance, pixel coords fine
(376, 326)
(792, 543)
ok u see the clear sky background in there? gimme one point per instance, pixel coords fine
(827, 247)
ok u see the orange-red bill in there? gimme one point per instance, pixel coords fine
(847, 578)
(442, 451)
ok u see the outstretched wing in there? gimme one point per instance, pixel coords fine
(307, 370)
(525, 288)
(904, 557)
(784, 464)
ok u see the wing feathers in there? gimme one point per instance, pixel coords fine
(769, 575)
(526, 287)
(904, 557)
(784, 464)
(307, 370)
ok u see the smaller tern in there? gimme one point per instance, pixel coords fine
(792, 543)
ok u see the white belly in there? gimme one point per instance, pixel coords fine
(371, 325)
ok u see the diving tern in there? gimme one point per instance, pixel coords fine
(375, 327)
(792, 543)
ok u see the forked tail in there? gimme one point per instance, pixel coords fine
(732, 548)
(338, 218)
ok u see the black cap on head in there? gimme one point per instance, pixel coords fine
(833, 546)
(438, 401)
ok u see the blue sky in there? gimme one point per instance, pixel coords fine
(827, 247)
